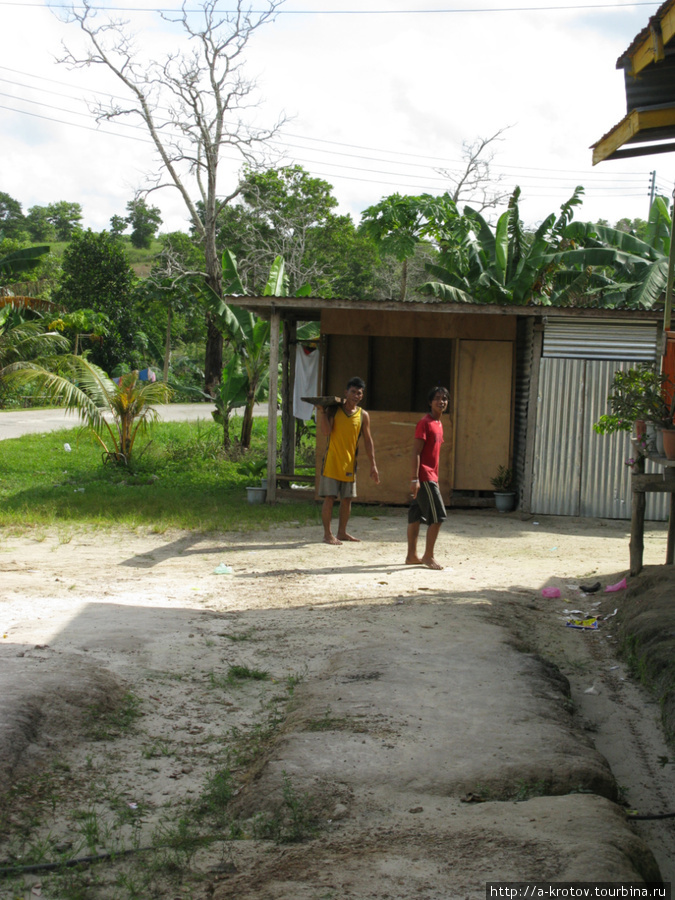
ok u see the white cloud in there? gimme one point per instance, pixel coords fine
(403, 90)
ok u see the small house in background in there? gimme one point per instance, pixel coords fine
(526, 383)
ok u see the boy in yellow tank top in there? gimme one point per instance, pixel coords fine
(343, 428)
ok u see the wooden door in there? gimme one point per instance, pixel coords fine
(484, 405)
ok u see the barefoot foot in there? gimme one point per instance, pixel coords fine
(348, 537)
(413, 561)
(431, 563)
(331, 539)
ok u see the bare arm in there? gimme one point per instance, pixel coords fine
(370, 446)
(418, 446)
(325, 421)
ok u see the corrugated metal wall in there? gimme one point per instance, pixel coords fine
(577, 472)
(578, 339)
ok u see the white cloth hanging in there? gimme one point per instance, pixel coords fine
(306, 380)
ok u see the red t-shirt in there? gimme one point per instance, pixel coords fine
(430, 431)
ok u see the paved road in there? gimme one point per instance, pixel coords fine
(14, 423)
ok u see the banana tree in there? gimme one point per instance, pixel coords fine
(505, 266)
(249, 337)
(635, 271)
(21, 261)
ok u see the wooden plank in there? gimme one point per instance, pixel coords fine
(670, 544)
(323, 401)
(484, 412)
(530, 438)
(287, 382)
(420, 323)
(637, 521)
(346, 356)
(637, 532)
(393, 435)
(652, 484)
(275, 322)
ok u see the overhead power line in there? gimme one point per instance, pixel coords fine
(325, 147)
(354, 12)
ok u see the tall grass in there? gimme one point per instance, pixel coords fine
(180, 478)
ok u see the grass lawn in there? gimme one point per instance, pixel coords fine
(180, 478)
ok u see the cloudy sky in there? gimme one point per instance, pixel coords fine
(380, 95)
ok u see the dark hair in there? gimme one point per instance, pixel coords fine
(438, 389)
(356, 382)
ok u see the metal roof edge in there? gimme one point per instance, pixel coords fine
(313, 306)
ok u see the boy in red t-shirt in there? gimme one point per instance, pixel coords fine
(427, 503)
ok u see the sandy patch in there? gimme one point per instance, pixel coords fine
(426, 731)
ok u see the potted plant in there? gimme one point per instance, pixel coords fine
(255, 468)
(504, 488)
(637, 395)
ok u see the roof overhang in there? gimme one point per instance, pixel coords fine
(648, 129)
(649, 71)
(648, 46)
(308, 309)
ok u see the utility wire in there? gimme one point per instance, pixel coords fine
(430, 182)
(352, 12)
(440, 162)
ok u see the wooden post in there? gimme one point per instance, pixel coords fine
(532, 413)
(275, 320)
(670, 546)
(287, 380)
(637, 522)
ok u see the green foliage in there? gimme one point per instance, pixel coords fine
(182, 479)
(12, 220)
(144, 221)
(114, 413)
(20, 261)
(398, 224)
(636, 394)
(629, 272)
(505, 265)
(24, 344)
(39, 226)
(290, 820)
(503, 480)
(97, 276)
(65, 217)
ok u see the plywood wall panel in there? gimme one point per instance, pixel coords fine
(393, 435)
(484, 326)
(484, 412)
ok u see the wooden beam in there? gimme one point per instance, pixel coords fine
(648, 51)
(275, 321)
(290, 330)
(668, 24)
(637, 122)
(532, 410)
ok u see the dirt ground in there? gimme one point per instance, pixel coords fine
(424, 732)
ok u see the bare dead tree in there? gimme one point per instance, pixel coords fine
(193, 105)
(476, 183)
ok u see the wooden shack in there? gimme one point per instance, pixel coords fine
(402, 349)
(401, 355)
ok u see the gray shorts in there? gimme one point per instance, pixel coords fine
(331, 487)
(428, 506)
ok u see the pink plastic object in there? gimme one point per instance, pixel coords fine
(550, 593)
(619, 586)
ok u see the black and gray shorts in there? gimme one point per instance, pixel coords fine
(428, 506)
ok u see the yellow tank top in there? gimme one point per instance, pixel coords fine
(340, 460)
